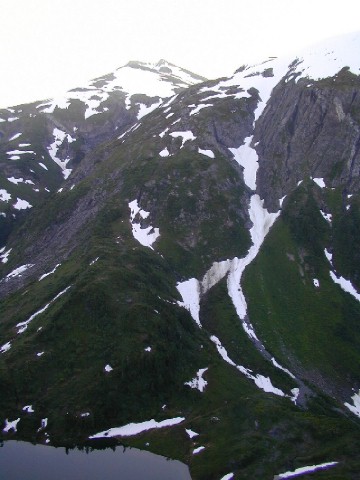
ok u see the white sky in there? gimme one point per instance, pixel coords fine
(50, 46)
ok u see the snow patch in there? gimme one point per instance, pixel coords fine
(43, 424)
(262, 222)
(20, 180)
(163, 133)
(22, 326)
(320, 182)
(346, 285)
(355, 407)
(277, 365)
(4, 257)
(281, 201)
(264, 383)
(21, 204)
(5, 348)
(295, 394)
(192, 289)
(199, 107)
(326, 216)
(4, 195)
(59, 138)
(216, 272)
(145, 236)
(28, 409)
(18, 271)
(208, 153)
(186, 136)
(20, 152)
(198, 449)
(198, 382)
(14, 137)
(11, 425)
(191, 433)
(305, 470)
(328, 255)
(136, 428)
(49, 273)
(164, 153)
(190, 293)
(247, 158)
(144, 110)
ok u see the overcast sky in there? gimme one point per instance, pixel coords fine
(50, 46)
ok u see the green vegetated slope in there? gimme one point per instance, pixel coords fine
(115, 309)
(312, 330)
(118, 306)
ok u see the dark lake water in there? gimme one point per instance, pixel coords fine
(24, 461)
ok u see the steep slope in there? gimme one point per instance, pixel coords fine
(41, 143)
(192, 271)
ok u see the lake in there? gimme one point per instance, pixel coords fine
(24, 461)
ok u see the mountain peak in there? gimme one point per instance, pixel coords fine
(167, 68)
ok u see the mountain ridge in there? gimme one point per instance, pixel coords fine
(204, 260)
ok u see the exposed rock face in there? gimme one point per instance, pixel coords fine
(309, 129)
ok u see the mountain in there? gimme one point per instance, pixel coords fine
(41, 143)
(192, 285)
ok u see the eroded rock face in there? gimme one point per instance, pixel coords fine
(309, 129)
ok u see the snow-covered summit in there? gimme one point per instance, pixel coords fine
(155, 80)
(322, 60)
(328, 57)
